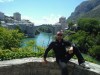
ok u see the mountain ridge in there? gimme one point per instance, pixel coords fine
(87, 9)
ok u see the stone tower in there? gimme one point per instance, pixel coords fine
(17, 16)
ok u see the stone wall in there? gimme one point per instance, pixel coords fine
(35, 66)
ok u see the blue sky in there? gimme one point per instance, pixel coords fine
(40, 11)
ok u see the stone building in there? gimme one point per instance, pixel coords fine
(27, 28)
(2, 16)
(61, 25)
(14, 22)
(17, 16)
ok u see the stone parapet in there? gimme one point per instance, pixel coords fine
(35, 66)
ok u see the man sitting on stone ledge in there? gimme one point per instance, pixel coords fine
(64, 51)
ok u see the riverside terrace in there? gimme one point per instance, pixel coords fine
(35, 66)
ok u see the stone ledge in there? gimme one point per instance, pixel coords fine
(34, 66)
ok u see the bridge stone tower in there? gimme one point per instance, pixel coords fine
(63, 23)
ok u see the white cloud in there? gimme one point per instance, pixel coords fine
(2, 1)
(51, 19)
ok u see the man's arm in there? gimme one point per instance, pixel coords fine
(46, 52)
(69, 47)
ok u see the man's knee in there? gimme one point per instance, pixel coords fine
(75, 48)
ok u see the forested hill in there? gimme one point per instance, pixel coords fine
(87, 9)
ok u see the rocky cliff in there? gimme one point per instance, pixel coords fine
(87, 9)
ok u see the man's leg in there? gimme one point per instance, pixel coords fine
(78, 54)
(63, 67)
(81, 60)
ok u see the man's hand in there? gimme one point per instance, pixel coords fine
(70, 50)
(45, 61)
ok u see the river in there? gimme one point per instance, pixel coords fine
(42, 39)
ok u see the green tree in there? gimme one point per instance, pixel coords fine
(10, 38)
(82, 39)
(95, 51)
(18, 28)
(31, 43)
(45, 28)
(89, 25)
(70, 25)
(87, 38)
(97, 39)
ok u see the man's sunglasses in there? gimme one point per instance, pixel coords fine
(59, 34)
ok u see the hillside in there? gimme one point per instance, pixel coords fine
(87, 9)
(95, 13)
